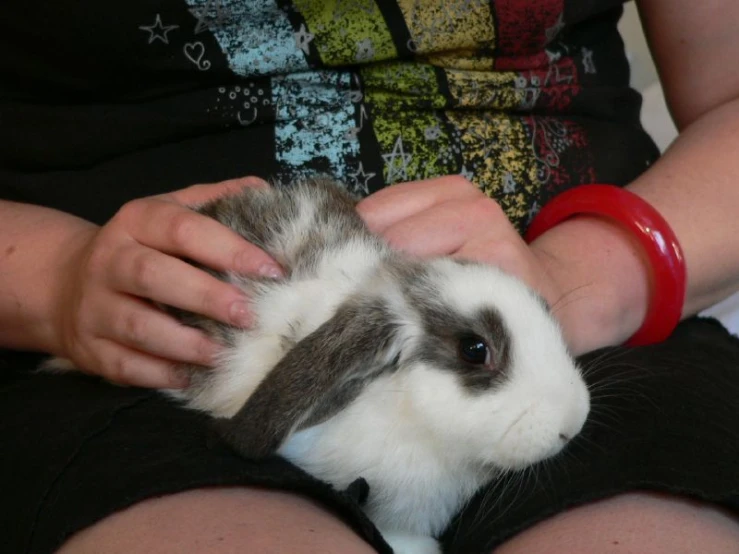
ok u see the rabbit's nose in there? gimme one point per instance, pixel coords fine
(564, 438)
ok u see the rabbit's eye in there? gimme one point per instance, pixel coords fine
(473, 350)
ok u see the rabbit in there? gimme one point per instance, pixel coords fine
(426, 378)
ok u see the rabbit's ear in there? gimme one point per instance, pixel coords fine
(317, 378)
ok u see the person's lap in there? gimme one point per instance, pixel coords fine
(108, 466)
(224, 521)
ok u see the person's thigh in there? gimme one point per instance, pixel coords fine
(223, 521)
(234, 519)
(635, 523)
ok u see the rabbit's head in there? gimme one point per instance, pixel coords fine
(489, 372)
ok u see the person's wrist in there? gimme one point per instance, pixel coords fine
(65, 268)
(38, 244)
(599, 281)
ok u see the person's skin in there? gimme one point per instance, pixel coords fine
(80, 291)
(235, 521)
(591, 265)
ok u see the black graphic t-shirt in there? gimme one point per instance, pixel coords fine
(103, 102)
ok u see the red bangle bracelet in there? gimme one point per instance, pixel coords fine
(668, 271)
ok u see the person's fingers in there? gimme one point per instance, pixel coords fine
(432, 232)
(177, 230)
(129, 367)
(147, 273)
(200, 194)
(509, 253)
(393, 204)
(445, 228)
(139, 326)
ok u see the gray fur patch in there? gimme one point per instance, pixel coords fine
(316, 379)
(266, 218)
(444, 328)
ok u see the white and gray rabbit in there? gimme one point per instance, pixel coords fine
(424, 377)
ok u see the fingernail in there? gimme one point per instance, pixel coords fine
(240, 315)
(272, 271)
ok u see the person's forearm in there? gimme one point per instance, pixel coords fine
(695, 186)
(35, 243)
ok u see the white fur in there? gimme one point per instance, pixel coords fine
(425, 444)
(405, 543)
(57, 365)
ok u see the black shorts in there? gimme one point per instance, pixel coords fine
(76, 449)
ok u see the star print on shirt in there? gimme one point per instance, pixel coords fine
(158, 31)
(397, 162)
(212, 15)
(361, 180)
(303, 39)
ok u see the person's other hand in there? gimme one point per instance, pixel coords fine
(449, 216)
(106, 320)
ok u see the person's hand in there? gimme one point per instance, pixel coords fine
(451, 216)
(105, 319)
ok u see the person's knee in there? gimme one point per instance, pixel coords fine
(223, 521)
(643, 523)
